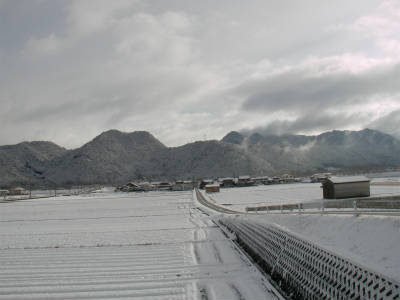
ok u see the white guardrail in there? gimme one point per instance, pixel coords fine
(305, 270)
(388, 203)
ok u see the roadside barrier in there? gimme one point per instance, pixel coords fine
(389, 203)
(305, 270)
(213, 206)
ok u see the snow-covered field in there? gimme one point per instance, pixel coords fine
(239, 198)
(145, 246)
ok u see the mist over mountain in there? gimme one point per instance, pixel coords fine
(115, 157)
(330, 150)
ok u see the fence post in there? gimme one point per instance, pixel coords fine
(355, 207)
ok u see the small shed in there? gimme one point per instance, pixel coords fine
(212, 188)
(346, 187)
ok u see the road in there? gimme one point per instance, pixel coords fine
(203, 200)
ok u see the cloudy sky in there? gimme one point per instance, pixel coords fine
(188, 70)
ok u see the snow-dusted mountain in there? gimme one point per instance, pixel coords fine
(363, 149)
(26, 162)
(114, 157)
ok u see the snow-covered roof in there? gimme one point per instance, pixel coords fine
(207, 180)
(212, 185)
(261, 177)
(348, 179)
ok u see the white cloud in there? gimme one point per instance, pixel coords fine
(383, 26)
(44, 46)
(92, 16)
(183, 69)
(392, 7)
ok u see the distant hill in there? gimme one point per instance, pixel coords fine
(111, 156)
(211, 159)
(330, 150)
(26, 162)
(116, 157)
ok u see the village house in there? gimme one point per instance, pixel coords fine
(17, 191)
(212, 188)
(4, 193)
(245, 181)
(227, 182)
(131, 187)
(287, 178)
(204, 182)
(262, 180)
(277, 179)
(146, 186)
(320, 177)
(181, 185)
(164, 186)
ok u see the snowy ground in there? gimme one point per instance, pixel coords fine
(240, 198)
(146, 246)
(373, 241)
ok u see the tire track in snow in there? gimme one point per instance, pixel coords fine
(89, 263)
(237, 292)
(216, 253)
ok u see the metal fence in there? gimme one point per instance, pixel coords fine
(303, 269)
(377, 203)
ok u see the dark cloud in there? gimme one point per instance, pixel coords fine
(307, 123)
(301, 90)
(20, 20)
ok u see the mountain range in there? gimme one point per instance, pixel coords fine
(115, 157)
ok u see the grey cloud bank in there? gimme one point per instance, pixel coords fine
(188, 69)
(304, 91)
